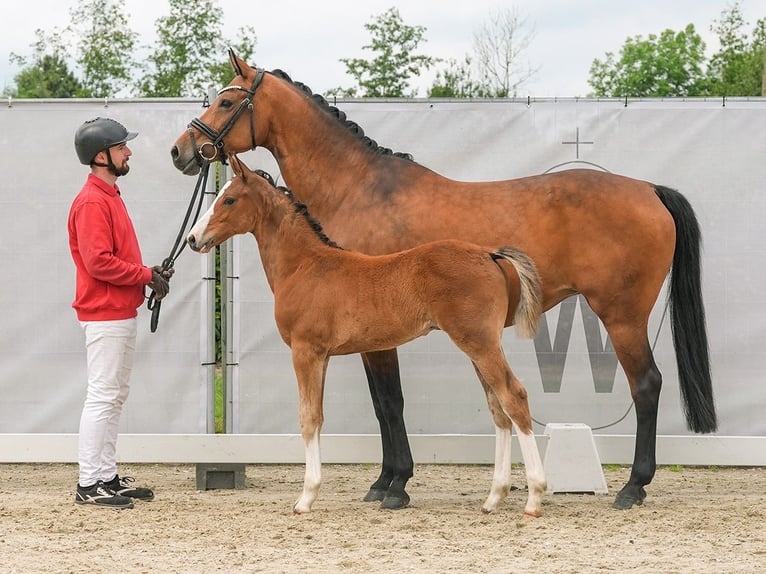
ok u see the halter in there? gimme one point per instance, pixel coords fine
(216, 145)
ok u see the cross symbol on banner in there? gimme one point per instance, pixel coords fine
(577, 143)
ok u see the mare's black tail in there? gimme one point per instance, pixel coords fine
(688, 315)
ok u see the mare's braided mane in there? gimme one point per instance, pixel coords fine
(353, 127)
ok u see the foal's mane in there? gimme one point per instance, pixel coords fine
(353, 127)
(300, 208)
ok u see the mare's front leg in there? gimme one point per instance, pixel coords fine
(382, 369)
(310, 369)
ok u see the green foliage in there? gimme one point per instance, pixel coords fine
(670, 64)
(105, 49)
(389, 73)
(222, 72)
(455, 81)
(189, 41)
(737, 68)
(219, 402)
(45, 74)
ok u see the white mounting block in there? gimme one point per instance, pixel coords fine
(571, 460)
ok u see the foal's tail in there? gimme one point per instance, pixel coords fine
(531, 299)
(688, 315)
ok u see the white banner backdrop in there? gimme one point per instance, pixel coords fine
(710, 152)
(42, 352)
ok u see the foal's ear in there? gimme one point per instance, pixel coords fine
(237, 166)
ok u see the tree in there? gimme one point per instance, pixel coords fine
(388, 74)
(670, 64)
(499, 45)
(184, 60)
(737, 69)
(454, 81)
(105, 49)
(45, 74)
(221, 72)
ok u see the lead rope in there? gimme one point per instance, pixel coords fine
(153, 304)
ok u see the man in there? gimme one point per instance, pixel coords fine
(110, 286)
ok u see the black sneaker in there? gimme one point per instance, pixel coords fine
(122, 486)
(100, 495)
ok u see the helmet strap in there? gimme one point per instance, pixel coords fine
(110, 165)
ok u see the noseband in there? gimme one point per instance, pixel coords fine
(215, 146)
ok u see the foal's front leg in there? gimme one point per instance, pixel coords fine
(310, 370)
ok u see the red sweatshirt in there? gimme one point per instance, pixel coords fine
(104, 246)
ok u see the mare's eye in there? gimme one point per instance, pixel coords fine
(226, 104)
(228, 201)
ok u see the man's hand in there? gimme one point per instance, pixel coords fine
(159, 283)
(166, 273)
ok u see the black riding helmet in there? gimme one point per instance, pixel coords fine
(97, 135)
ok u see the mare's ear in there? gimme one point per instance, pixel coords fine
(239, 65)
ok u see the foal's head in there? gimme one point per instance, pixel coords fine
(234, 211)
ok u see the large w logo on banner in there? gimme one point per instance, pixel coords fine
(552, 356)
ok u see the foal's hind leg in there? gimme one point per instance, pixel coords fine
(511, 396)
(501, 476)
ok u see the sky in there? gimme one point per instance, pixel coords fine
(307, 39)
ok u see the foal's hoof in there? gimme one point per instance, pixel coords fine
(628, 496)
(395, 501)
(375, 495)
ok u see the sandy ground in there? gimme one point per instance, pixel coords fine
(694, 520)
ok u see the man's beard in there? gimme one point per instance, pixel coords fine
(120, 171)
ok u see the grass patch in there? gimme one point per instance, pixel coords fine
(219, 401)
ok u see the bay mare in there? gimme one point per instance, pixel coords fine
(328, 301)
(609, 237)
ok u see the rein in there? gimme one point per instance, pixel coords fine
(216, 145)
(195, 204)
(205, 158)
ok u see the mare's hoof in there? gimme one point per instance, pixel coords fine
(375, 495)
(395, 501)
(628, 496)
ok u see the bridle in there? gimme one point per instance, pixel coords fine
(215, 153)
(213, 150)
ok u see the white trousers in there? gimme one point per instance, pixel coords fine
(110, 346)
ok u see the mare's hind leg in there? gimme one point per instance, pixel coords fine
(635, 356)
(382, 369)
(511, 396)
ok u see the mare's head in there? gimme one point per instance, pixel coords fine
(234, 211)
(228, 125)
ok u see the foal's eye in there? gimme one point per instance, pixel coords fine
(228, 201)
